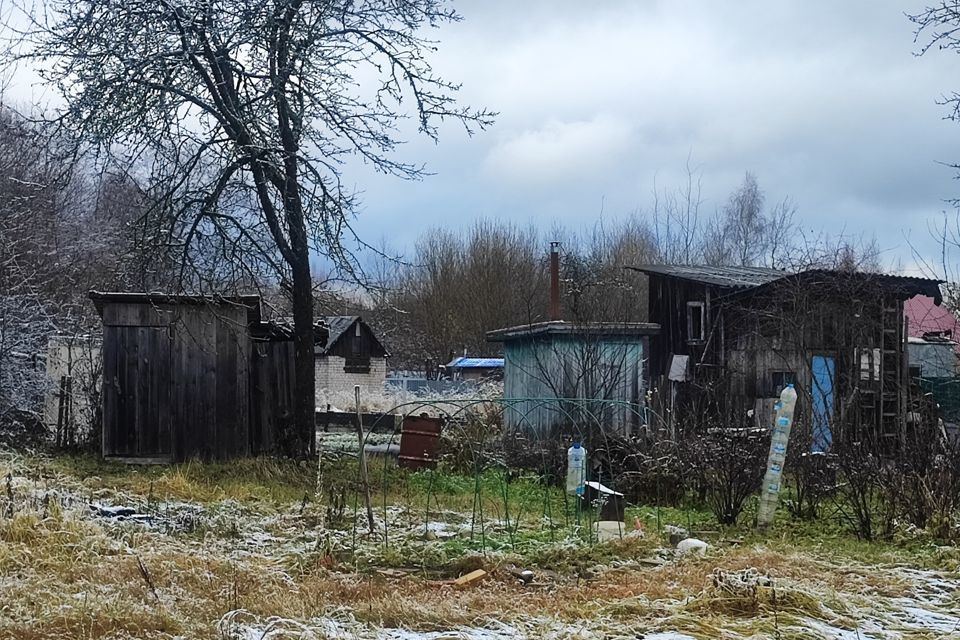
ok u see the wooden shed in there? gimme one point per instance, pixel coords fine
(733, 337)
(578, 377)
(272, 376)
(177, 376)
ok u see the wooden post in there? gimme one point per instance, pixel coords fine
(364, 478)
(62, 400)
(68, 425)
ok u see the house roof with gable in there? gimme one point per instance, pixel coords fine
(925, 316)
(339, 327)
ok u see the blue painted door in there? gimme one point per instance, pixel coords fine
(823, 369)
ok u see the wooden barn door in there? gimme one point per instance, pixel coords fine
(136, 393)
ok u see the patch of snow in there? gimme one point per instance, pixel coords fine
(916, 617)
(830, 632)
(691, 546)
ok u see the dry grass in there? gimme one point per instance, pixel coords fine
(255, 481)
(64, 574)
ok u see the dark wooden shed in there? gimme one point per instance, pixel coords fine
(177, 376)
(272, 375)
(733, 337)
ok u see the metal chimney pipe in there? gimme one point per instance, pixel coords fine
(555, 281)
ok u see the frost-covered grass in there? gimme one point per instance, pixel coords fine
(257, 480)
(235, 551)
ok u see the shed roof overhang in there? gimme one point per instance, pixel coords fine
(102, 298)
(904, 287)
(587, 329)
(726, 277)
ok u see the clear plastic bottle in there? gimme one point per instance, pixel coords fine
(576, 468)
(770, 490)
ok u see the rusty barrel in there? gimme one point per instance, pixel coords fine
(419, 437)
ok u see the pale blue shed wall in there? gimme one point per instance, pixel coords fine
(590, 370)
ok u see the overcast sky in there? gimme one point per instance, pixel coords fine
(824, 102)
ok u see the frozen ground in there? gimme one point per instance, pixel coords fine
(81, 561)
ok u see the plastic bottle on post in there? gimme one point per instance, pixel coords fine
(779, 437)
(576, 468)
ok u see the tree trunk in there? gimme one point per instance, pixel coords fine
(304, 399)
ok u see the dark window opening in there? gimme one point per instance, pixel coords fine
(356, 365)
(695, 322)
(779, 380)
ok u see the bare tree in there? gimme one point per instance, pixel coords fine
(677, 225)
(33, 191)
(245, 111)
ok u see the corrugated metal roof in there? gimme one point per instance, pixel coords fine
(905, 286)
(476, 363)
(731, 277)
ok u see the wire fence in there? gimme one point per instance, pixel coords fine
(486, 486)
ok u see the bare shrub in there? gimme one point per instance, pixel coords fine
(545, 456)
(942, 492)
(926, 481)
(730, 463)
(862, 498)
(814, 477)
(471, 441)
(653, 473)
(814, 474)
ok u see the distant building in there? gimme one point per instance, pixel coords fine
(932, 357)
(926, 318)
(466, 368)
(352, 355)
(933, 332)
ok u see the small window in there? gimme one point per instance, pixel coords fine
(355, 344)
(915, 372)
(356, 365)
(695, 322)
(779, 380)
(869, 364)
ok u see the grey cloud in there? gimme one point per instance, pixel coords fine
(824, 101)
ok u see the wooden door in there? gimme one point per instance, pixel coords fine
(136, 392)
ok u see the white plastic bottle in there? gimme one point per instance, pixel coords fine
(770, 490)
(576, 468)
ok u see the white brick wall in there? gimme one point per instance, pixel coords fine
(79, 359)
(332, 380)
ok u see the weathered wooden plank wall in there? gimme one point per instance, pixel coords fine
(271, 392)
(136, 402)
(176, 380)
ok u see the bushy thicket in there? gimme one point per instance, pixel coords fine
(875, 492)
